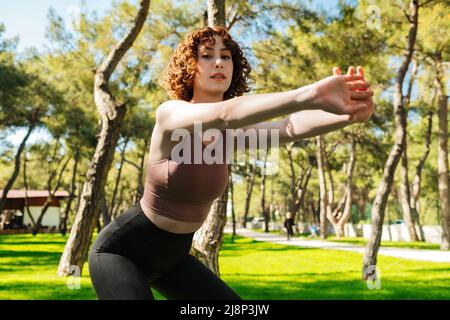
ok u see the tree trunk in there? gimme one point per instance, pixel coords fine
(104, 211)
(297, 185)
(116, 212)
(208, 239)
(216, 13)
(233, 216)
(25, 183)
(140, 176)
(417, 178)
(301, 198)
(13, 177)
(265, 212)
(405, 192)
(405, 195)
(250, 179)
(116, 186)
(111, 115)
(323, 187)
(379, 206)
(343, 212)
(73, 186)
(51, 194)
(443, 173)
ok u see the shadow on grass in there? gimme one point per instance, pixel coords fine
(29, 254)
(47, 291)
(37, 242)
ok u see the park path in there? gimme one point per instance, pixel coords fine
(414, 254)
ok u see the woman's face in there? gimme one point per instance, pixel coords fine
(213, 59)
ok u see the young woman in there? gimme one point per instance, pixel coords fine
(148, 245)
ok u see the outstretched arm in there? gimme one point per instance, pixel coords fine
(310, 123)
(332, 94)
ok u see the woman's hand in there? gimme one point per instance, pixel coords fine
(342, 94)
(363, 115)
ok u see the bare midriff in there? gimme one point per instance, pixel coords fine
(171, 225)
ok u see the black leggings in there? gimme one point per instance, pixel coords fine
(131, 254)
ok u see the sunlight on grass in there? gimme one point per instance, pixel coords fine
(256, 270)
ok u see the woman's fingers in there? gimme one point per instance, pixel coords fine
(352, 78)
(360, 85)
(359, 71)
(356, 84)
(356, 107)
(359, 95)
(351, 71)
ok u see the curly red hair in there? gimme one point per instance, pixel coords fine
(179, 76)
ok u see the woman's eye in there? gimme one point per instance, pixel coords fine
(207, 56)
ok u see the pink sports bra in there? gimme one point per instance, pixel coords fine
(184, 191)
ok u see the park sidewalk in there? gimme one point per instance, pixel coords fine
(414, 254)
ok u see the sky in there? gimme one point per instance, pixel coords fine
(28, 18)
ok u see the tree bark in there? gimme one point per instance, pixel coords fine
(119, 172)
(116, 212)
(379, 206)
(13, 177)
(25, 183)
(443, 172)
(250, 182)
(233, 216)
(208, 239)
(216, 13)
(343, 211)
(265, 212)
(298, 185)
(405, 193)
(73, 187)
(140, 176)
(104, 210)
(112, 115)
(322, 187)
(405, 197)
(417, 178)
(46, 205)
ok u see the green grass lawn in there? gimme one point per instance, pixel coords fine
(256, 270)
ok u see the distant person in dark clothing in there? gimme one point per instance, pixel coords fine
(288, 224)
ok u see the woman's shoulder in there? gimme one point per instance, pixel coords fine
(172, 103)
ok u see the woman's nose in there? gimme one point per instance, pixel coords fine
(219, 63)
